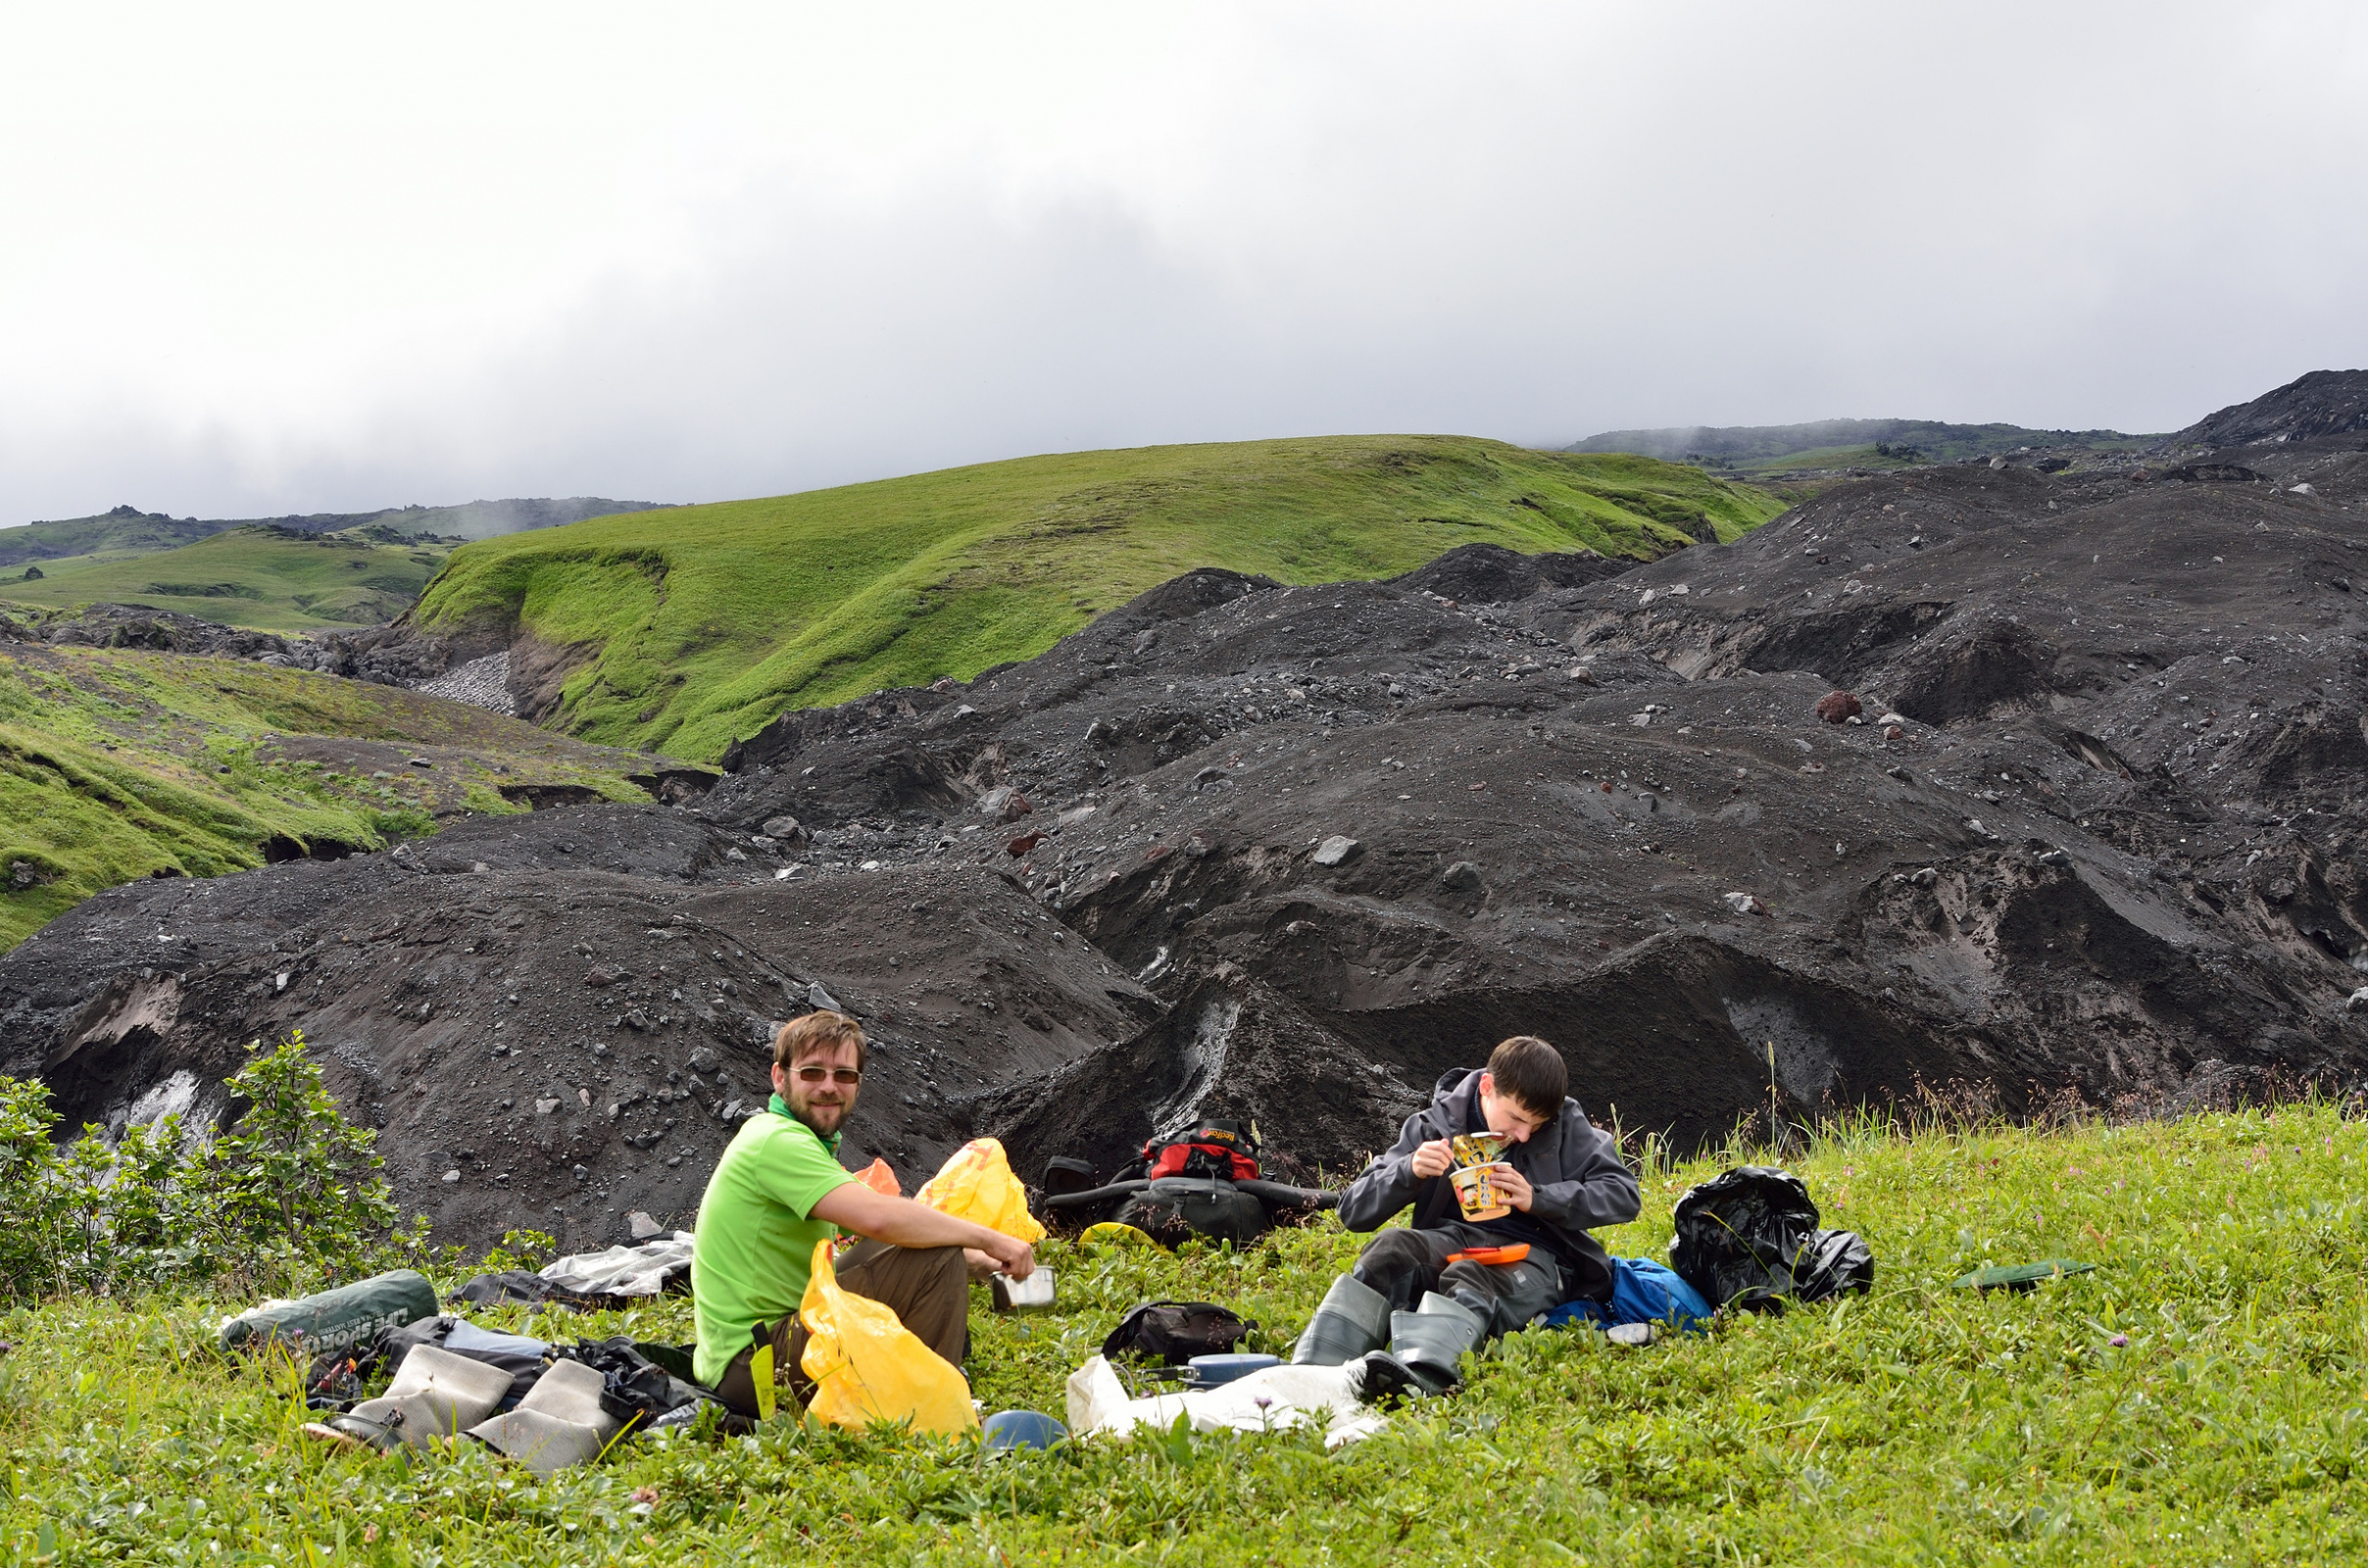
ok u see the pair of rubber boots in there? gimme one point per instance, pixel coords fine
(1418, 1351)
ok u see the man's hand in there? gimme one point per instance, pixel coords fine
(902, 1222)
(1434, 1159)
(1011, 1257)
(1514, 1187)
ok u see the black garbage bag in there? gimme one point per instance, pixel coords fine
(1833, 1264)
(1749, 1237)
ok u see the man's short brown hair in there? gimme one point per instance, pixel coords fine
(818, 1031)
(1531, 1072)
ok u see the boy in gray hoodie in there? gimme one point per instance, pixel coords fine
(1566, 1177)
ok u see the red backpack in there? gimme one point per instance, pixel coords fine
(1220, 1149)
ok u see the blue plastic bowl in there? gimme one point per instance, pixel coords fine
(1022, 1429)
(1215, 1371)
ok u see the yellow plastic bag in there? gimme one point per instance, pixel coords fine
(978, 1185)
(868, 1367)
(1111, 1233)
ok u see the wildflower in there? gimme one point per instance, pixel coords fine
(2119, 1341)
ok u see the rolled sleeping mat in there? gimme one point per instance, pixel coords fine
(1280, 1195)
(1098, 1195)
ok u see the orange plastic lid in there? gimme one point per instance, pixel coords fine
(1511, 1253)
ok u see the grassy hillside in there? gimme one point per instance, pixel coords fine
(261, 577)
(2198, 1399)
(117, 765)
(128, 532)
(700, 624)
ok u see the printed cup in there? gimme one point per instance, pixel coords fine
(1476, 1190)
(1478, 1148)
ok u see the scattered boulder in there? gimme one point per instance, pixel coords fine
(1336, 849)
(1004, 803)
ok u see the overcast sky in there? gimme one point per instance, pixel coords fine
(260, 258)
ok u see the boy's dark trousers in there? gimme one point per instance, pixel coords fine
(1402, 1264)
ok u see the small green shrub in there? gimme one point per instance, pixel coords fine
(521, 1250)
(290, 1194)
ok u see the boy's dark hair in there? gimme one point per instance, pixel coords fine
(1532, 1072)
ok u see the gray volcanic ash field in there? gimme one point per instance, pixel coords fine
(1289, 853)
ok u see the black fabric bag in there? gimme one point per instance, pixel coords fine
(633, 1388)
(1749, 1238)
(1174, 1207)
(523, 1358)
(1172, 1333)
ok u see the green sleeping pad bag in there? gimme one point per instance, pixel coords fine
(338, 1319)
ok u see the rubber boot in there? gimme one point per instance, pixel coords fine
(1353, 1319)
(1430, 1341)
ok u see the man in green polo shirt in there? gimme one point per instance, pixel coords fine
(779, 1188)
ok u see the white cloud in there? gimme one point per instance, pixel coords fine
(268, 259)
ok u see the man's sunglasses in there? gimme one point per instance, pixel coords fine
(844, 1077)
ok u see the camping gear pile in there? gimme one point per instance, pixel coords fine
(1202, 1180)
(1748, 1239)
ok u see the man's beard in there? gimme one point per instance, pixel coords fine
(812, 1115)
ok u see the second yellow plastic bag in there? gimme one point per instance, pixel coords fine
(866, 1366)
(978, 1185)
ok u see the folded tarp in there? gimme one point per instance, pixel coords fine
(643, 1270)
(1324, 1396)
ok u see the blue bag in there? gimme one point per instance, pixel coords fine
(1642, 1292)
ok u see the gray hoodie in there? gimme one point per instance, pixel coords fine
(1576, 1171)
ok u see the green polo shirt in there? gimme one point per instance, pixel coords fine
(756, 1237)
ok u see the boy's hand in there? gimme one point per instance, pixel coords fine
(1514, 1187)
(1433, 1158)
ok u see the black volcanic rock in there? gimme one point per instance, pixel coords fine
(2324, 402)
(2099, 830)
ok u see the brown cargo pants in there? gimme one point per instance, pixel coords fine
(929, 1288)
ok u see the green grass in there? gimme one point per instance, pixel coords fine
(1860, 457)
(1919, 1424)
(247, 578)
(115, 765)
(700, 624)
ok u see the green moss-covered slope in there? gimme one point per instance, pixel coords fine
(259, 577)
(697, 625)
(115, 766)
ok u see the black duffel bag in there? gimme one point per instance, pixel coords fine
(1173, 1207)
